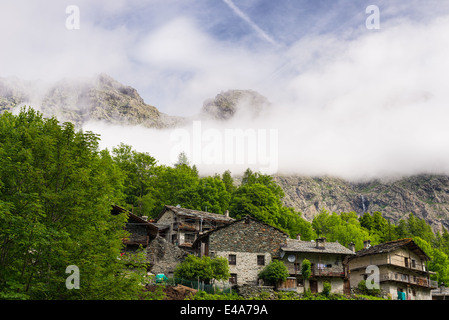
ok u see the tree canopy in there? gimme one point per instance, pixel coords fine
(56, 191)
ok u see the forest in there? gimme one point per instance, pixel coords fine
(56, 191)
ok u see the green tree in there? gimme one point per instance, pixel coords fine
(320, 222)
(139, 169)
(260, 197)
(295, 224)
(228, 182)
(327, 288)
(275, 272)
(56, 191)
(209, 194)
(203, 269)
(306, 269)
(344, 228)
(256, 200)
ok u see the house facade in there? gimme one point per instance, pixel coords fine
(248, 245)
(327, 264)
(182, 226)
(402, 266)
(141, 232)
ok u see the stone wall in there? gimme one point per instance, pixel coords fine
(247, 239)
(248, 291)
(164, 256)
(246, 267)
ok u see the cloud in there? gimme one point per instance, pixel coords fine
(371, 107)
(359, 104)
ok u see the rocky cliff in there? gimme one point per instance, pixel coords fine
(231, 103)
(426, 196)
(100, 98)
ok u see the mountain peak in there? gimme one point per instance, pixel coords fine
(227, 104)
(99, 98)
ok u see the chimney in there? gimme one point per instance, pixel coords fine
(351, 246)
(298, 237)
(227, 213)
(145, 218)
(320, 243)
(366, 244)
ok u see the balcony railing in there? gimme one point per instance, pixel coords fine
(406, 278)
(184, 226)
(327, 272)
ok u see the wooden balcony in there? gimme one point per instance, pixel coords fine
(184, 226)
(409, 279)
(327, 272)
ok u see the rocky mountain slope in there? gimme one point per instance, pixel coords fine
(104, 99)
(100, 98)
(426, 196)
(231, 103)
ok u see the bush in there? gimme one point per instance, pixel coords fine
(274, 272)
(365, 291)
(203, 269)
(326, 289)
(306, 269)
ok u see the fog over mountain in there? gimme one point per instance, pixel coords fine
(292, 88)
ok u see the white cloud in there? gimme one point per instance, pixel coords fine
(371, 105)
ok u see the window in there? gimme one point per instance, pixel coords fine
(406, 262)
(232, 259)
(260, 260)
(233, 278)
(413, 263)
(189, 237)
(297, 266)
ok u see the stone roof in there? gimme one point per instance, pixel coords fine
(294, 245)
(196, 214)
(206, 234)
(392, 246)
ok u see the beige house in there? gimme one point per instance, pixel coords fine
(402, 266)
(327, 262)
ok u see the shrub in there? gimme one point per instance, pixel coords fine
(326, 289)
(204, 269)
(306, 269)
(365, 291)
(274, 272)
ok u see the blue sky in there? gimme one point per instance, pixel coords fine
(332, 81)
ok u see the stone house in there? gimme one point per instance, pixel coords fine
(402, 266)
(248, 244)
(141, 232)
(182, 226)
(327, 264)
